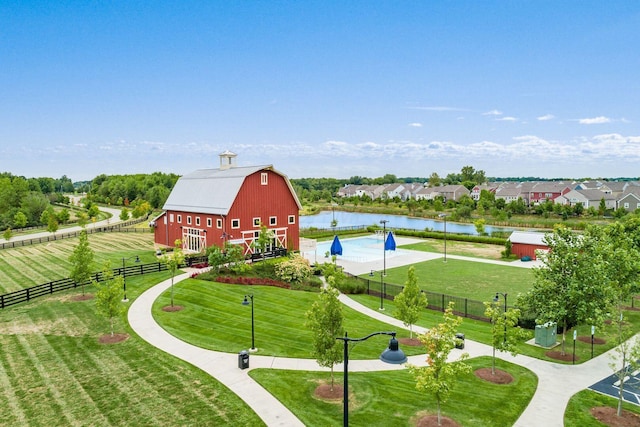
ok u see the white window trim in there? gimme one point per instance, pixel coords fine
(198, 220)
(188, 219)
(264, 178)
(209, 222)
(292, 219)
(273, 220)
(256, 222)
(179, 219)
(236, 222)
(171, 218)
(218, 222)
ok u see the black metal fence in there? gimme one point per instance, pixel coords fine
(463, 307)
(60, 285)
(123, 227)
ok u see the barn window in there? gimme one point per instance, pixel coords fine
(218, 223)
(171, 219)
(273, 220)
(263, 178)
(235, 223)
(256, 222)
(197, 220)
(189, 219)
(179, 219)
(209, 222)
(292, 219)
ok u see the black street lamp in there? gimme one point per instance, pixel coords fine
(444, 218)
(391, 354)
(124, 276)
(384, 249)
(253, 335)
(496, 299)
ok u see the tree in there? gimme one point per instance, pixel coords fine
(215, 257)
(7, 234)
(505, 332)
(63, 216)
(81, 260)
(479, 224)
(434, 180)
(410, 302)
(109, 296)
(20, 219)
(52, 224)
(572, 286)
(265, 238)
(438, 378)
(124, 214)
(324, 319)
(173, 261)
(625, 357)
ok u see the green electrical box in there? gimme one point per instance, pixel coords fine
(545, 335)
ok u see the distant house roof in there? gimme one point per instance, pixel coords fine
(212, 191)
(528, 238)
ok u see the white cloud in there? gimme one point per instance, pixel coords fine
(546, 117)
(493, 113)
(507, 119)
(594, 120)
(415, 125)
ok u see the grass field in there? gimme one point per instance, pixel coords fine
(36, 264)
(54, 372)
(389, 398)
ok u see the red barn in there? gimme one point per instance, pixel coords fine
(210, 206)
(526, 243)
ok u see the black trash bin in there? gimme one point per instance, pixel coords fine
(243, 359)
(460, 341)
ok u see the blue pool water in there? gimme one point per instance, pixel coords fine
(357, 249)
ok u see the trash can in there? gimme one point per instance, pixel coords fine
(243, 359)
(460, 341)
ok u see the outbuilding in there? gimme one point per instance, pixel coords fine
(527, 243)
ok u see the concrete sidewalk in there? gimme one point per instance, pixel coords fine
(556, 382)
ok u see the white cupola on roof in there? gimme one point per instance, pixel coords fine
(227, 160)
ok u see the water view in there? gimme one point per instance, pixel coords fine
(354, 219)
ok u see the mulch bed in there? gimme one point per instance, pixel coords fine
(608, 416)
(113, 339)
(499, 377)
(324, 392)
(84, 297)
(557, 355)
(172, 308)
(587, 339)
(431, 420)
(411, 342)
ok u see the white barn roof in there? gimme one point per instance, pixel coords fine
(528, 238)
(210, 191)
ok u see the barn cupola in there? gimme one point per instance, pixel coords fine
(227, 160)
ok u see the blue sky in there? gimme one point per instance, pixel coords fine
(321, 88)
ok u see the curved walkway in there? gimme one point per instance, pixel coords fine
(556, 382)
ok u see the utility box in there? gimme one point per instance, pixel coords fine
(243, 359)
(545, 335)
(460, 341)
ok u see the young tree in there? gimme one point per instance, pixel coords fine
(109, 297)
(173, 261)
(264, 239)
(81, 260)
(625, 357)
(20, 219)
(52, 224)
(324, 319)
(7, 234)
(505, 332)
(216, 257)
(438, 378)
(410, 302)
(124, 214)
(573, 284)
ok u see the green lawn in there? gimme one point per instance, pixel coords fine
(32, 265)
(214, 318)
(53, 372)
(388, 398)
(474, 280)
(578, 413)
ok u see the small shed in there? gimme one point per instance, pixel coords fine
(526, 243)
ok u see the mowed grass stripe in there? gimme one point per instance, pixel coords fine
(11, 413)
(53, 399)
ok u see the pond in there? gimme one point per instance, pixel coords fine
(355, 219)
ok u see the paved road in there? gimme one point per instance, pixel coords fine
(556, 382)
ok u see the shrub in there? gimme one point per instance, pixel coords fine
(294, 270)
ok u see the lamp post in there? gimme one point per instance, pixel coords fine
(391, 354)
(384, 250)
(444, 218)
(381, 289)
(124, 276)
(253, 335)
(496, 299)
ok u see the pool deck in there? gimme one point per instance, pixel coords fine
(406, 257)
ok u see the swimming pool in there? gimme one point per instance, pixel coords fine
(357, 249)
